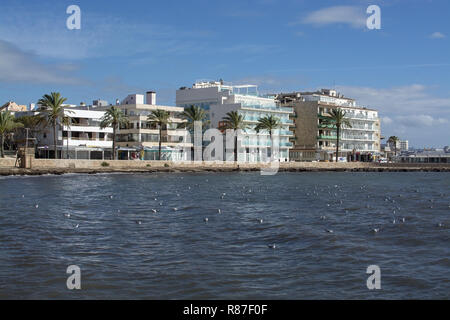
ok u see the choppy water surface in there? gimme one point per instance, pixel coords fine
(175, 254)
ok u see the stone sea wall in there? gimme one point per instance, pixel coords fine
(51, 166)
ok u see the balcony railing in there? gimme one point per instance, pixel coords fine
(324, 137)
(327, 126)
(270, 108)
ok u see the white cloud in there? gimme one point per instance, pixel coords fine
(40, 31)
(420, 120)
(411, 99)
(386, 120)
(351, 15)
(437, 35)
(19, 66)
(414, 112)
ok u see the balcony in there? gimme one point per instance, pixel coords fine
(357, 138)
(323, 137)
(269, 108)
(327, 126)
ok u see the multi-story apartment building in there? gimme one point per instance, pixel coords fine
(316, 140)
(82, 139)
(141, 136)
(218, 99)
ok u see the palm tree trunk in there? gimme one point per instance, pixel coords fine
(271, 150)
(67, 155)
(160, 140)
(114, 143)
(2, 141)
(235, 149)
(54, 139)
(337, 144)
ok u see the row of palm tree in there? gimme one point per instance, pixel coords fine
(235, 121)
(52, 108)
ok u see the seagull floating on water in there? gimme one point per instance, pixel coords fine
(175, 209)
(206, 220)
(219, 211)
(272, 246)
(261, 220)
(376, 230)
(77, 226)
(329, 231)
(36, 206)
(154, 211)
(138, 222)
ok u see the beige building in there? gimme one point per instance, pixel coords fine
(13, 107)
(315, 140)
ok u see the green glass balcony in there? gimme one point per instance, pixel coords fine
(323, 137)
(327, 126)
(322, 116)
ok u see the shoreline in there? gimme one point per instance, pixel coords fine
(217, 169)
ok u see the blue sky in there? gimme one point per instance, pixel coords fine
(403, 69)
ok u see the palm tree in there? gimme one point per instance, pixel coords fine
(337, 118)
(268, 123)
(34, 123)
(393, 141)
(67, 121)
(192, 115)
(52, 106)
(161, 118)
(7, 124)
(234, 121)
(113, 117)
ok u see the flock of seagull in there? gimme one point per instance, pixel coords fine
(314, 192)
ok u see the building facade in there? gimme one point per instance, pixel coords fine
(315, 140)
(403, 145)
(217, 99)
(82, 139)
(142, 137)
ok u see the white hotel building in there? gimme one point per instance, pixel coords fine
(218, 99)
(83, 139)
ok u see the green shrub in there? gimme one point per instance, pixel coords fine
(166, 165)
(149, 165)
(105, 164)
